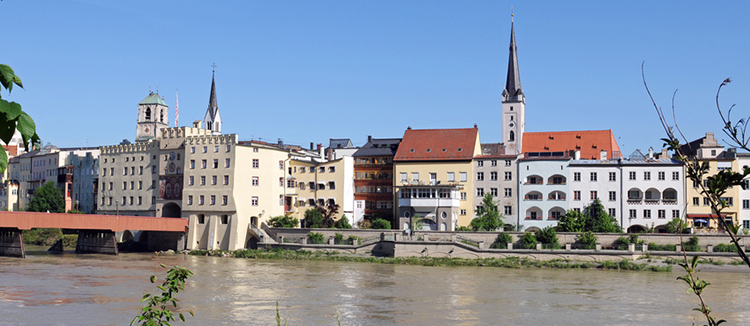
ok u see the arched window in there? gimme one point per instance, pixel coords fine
(208, 125)
(512, 136)
(161, 115)
(148, 113)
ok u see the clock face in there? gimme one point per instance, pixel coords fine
(511, 124)
(171, 156)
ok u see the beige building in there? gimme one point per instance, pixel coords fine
(312, 183)
(434, 178)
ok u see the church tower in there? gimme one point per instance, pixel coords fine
(213, 118)
(514, 104)
(153, 115)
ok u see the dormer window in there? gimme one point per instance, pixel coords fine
(429, 150)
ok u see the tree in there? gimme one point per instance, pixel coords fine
(47, 198)
(283, 221)
(675, 225)
(12, 117)
(594, 218)
(156, 310)
(342, 223)
(313, 218)
(488, 217)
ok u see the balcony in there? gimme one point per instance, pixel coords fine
(429, 202)
(537, 218)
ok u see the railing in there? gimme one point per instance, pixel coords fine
(530, 198)
(268, 231)
(534, 218)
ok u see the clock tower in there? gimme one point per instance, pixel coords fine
(514, 103)
(153, 115)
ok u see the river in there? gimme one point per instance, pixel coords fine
(71, 289)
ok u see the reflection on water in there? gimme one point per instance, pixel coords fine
(73, 289)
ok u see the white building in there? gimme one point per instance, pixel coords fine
(542, 190)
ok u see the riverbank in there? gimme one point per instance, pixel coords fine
(507, 262)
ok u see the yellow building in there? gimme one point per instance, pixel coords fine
(433, 178)
(312, 183)
(699, 213)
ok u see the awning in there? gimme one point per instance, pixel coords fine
(700, 221)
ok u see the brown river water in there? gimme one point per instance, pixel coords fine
(74, 289)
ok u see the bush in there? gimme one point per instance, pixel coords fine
(548, 238)
(338, 238)
(342, 223)
(656, 247)
(621, 243)
(528, 241)
(365, 224)
(692, 245)
(315, 238)
(725, 247)
(313, 218)
(502, 240)
(380, 223)
(587, 239)
(464, 229)
(42, 237)
(283, 221)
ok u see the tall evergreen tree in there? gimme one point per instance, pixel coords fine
(488, 217)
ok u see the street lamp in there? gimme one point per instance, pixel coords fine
(77, 205)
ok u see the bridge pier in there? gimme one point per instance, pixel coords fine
(96, 242)
(11, 243)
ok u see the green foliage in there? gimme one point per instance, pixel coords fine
(313, 218)
(697, 285)
(502, 240)
(464, 229)
(527, 241)
(725, 247)
(588, 239)
(365, 224)
(338, 238)
(692, 245)
(12, 117)
(548, 238)
(675, 225)
(48, 237)
(488, 217)
(156, 310)
(74, 211)
(342, 223)
(594, 218)
(283, 221)
(47, 198)
(315, 238)
(656, 247)
(380, 223)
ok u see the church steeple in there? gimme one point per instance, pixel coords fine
(213, 118)
(513, 81)
(514, 103)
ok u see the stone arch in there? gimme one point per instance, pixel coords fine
(652, 194)
(635, 228)
(555, 213)
(127, 235)
(534, 213)
(557, 179)
(635, 194)
(171, 210)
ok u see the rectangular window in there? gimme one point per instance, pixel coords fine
(216, 163)
(662, 213)
(576, 176)
(229, 148)
(124, 185)
(216, 149)
(132, 170)
(227, 162)
(631, 175)
(493, 163)
(706, 202)
(463, 176)
(281, 164)
(508, 210)
(403, 177)
(745, 184)
(661, 175)
(675, 175)
(213, 180)
(463, 212)
(508, 176)
(493, 176)
(729, 201)
(131, 200)
(226, 179)
(331, 185)
(746, 204)
(507, 162)
(200, 200)
(190, 198)
(646, 175)
(140, 185)
(480, 192)
(463, 196)
(480, 163)
(696, 201)
(612, 176)
(576, 195)
(480, 176)
(140, 170)
(132, 185)
(646, 213)
(254, 201)
(203, 180)
(203, 164)
(192, 150)
(632, 213)
(508, 192)
(213, 198)
(256, 163)
(191, 180)
(192, 164)
(451, 176)
(593, 177)
(612, 196)
(205, 149)
(331, 169)
(593, 194)
(415, 176)
(225, 198)
(675, 213)
(612, 212)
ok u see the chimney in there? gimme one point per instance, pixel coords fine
(321, 151)
(664, 153)
(280, 142)
(650, 153)
(475, 126)
(578, 155)
(369, 138)
(408, 128)
(311, 146)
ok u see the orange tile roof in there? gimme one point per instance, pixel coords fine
(438, 145)
(589, 142)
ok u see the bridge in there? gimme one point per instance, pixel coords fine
(96, 233)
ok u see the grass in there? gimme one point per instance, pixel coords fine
(510, 262)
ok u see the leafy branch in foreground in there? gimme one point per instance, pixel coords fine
(156, 311)
(12, 116)
(697, 285)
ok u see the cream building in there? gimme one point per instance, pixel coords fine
(313, 183)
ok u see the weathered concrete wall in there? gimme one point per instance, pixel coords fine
(11, 243)
(96, 242)
(163, 241)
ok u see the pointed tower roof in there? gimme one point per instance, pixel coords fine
(513, 82)
(213, 107)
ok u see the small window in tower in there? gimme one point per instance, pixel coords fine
(148, 113)
(161, 115)
(511, 108)
(511, 118)
(512, 136)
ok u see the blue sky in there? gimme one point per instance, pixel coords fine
(307, 71)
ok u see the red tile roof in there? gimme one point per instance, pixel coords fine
(438, 145)
(589, 142)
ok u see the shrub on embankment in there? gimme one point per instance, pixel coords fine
(509, 262)
(48, 237)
